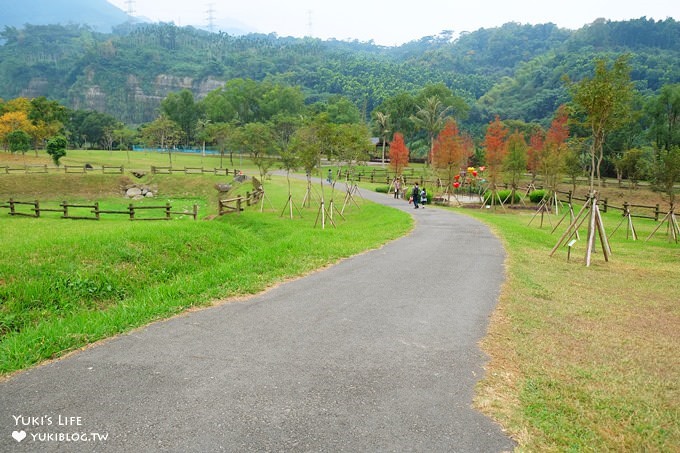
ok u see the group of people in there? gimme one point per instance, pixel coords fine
(418, 195)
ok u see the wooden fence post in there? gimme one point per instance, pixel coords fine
(238, 205)
(656, 213)
(11, 206)
(167, 211)
(195, 211)
(131, 209)
(64, 206)
(36, 208)
(96, 209)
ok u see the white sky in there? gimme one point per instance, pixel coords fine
(393, 22)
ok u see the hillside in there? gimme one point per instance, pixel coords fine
(100, 15)
(515, 70)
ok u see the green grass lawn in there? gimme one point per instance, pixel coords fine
(581, 359)
(585, 359)
(64, 283)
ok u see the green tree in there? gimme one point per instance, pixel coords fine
(664, 112)
(604, 101)
(430, 117)
(667, 171)
(18, 141)
(163, 133)
(515, 161)
(257, 139)
(185, 111)
(634, 165)
(56, 148)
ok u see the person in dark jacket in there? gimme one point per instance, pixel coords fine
(416, 195)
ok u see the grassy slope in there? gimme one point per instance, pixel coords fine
(64, 284)
(585, 359)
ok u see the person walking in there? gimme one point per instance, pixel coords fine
(416, 195)
(423, 198)
(397, 187)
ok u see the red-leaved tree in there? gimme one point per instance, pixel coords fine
(398, 154)
(555, 148)
(496, 148)
(449, 152)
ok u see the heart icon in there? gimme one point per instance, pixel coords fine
(19, 435)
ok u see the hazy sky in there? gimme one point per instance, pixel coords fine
(393, 22)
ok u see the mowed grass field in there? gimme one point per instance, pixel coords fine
(585, 359)
(581, 359)
(67, 283)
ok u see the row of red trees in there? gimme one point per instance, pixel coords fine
(507, 155)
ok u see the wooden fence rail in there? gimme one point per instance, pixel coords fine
(235, 204)
(132, 211)
(635, 210)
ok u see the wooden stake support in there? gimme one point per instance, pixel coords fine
(672, 228)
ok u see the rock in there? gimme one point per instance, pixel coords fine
(223, 187)
(133, 192)
(149, 194)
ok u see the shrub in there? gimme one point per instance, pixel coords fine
(536, 196)
(502, 196)
(382, 189)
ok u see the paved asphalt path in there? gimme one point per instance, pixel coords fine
(377, 353)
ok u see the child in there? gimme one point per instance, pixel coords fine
(423, 197)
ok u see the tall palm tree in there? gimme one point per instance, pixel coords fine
(431, 117)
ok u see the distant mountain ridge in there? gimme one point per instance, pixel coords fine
(514, 71)
(100, 15)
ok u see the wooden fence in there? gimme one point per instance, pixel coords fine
(634, 210)
(116, 169)
(235, 204)
(93, 211)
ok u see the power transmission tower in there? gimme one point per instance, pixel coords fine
(130, 7)
(211, 17)
(310, 28)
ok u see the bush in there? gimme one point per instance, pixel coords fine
(536, 196)
(383, 189)
(502, 196)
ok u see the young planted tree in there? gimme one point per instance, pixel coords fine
(257, 139)
(515, 162)
(604, 102)
(573, 168)
(534, 151)
(305, 143)
(382, 123)
(495, 144)
(399, 154)
(163, 133)
(667, 171)
(449, 153)
(555, 149)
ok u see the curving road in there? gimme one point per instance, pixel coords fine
(376, 353)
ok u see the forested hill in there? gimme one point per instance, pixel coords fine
(515, 71)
